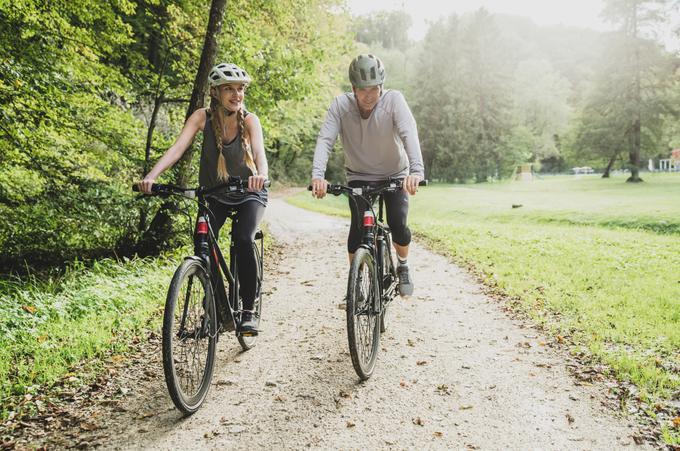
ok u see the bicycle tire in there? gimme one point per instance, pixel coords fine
(189, 332)
(363, 325)
(248, 342)
(387, 276)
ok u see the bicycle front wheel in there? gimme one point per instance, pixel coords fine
(363, 322)
(189, 336)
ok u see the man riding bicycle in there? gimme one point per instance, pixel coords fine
(380, 141)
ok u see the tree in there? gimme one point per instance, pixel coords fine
(540, 97)
(635, 71)
(161, 226)
(388, 28)
(625, 109)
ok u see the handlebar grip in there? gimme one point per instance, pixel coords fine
(135, 188)
(423, 183)
(310, 188)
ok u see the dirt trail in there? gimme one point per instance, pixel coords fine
(454, 371)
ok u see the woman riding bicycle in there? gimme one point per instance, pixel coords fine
(228, 126)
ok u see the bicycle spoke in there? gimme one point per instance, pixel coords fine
(191, 340)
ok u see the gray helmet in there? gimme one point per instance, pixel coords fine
(227, 73)
(366, 70)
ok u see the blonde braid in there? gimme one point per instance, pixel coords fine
(245, 142)
(217, 116)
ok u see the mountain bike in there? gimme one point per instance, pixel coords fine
(372, 283)
(199, 306)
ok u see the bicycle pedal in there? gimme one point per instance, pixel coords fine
(248, 334)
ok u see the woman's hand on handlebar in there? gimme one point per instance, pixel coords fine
(411, 184)
(319, 188)
(145, 185)
(256, 182)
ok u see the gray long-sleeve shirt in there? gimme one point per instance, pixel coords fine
(384, 145)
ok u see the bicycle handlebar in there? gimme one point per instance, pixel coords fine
(233, 185)
(386, 186)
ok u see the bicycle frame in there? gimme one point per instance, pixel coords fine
(374, 240)
(214, 261)
(219, 270)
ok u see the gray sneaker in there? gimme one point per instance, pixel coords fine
(405, 282)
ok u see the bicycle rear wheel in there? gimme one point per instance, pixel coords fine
(248, 341)
(189, 336)
(363, 323)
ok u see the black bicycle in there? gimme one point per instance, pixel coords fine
(372, 283)
(199, 306)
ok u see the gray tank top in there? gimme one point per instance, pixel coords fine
(233, 155)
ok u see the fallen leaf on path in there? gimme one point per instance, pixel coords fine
(89, 426)
(29, 308)
(350, 424)
(421, 362)
(438, 434)
(465, 407)
(570, 419)
(443, 389)
(676, 422)
(418, 421)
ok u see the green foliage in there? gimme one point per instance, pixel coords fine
(492, 91)
(462, 100)
(50, 324)
(295, 51)
(79, 82)
(388, 29)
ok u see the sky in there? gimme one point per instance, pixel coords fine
(580, 13)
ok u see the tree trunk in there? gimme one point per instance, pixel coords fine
(608, 169)
(634, 153)
(147, 152)
(161, 226)
(201, 81)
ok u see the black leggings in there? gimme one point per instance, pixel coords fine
(396, 210)
(248, 216)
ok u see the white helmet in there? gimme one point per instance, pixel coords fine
(227, 73)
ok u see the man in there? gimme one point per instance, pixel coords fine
(380, 141)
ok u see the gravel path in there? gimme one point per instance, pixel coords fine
(454, 371)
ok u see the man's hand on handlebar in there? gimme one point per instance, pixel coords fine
(411, 184)
(319, 188)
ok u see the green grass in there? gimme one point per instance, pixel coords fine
(49, 326)
(61, 326)
(594, 260)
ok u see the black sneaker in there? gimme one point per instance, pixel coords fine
(405, 282)
(249, 323)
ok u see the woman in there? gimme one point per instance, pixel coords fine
(229, 127)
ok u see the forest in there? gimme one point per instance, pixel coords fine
(92, 93)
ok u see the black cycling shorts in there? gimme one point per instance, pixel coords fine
(396, 210)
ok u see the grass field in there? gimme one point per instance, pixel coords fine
(594, 261)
